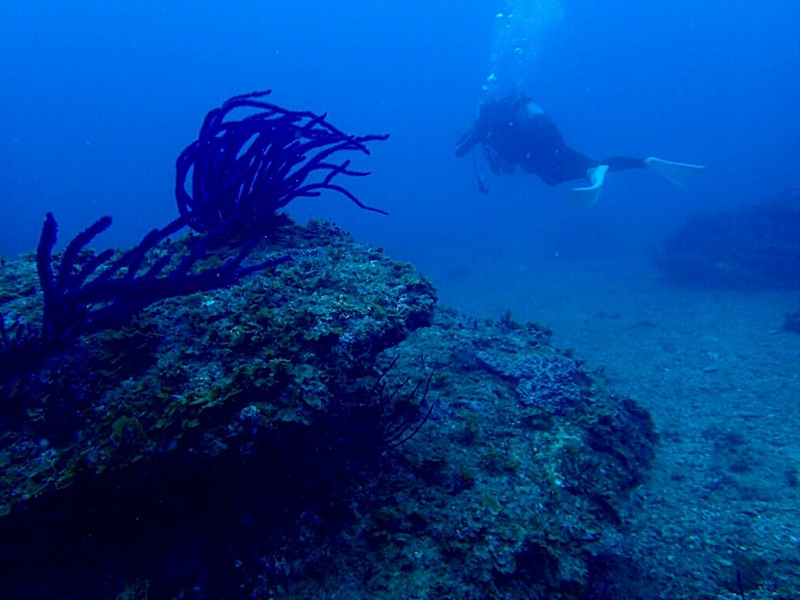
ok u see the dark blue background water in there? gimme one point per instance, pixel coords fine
(100, 97)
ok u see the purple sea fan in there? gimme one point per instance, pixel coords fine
(240, 172)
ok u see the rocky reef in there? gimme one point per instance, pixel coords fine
(755, 247)
(318, 430)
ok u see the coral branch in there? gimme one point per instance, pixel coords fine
(258, 164)
(104, 292)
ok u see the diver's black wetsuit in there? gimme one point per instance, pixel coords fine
(514, 132)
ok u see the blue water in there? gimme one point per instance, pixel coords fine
(100, 97)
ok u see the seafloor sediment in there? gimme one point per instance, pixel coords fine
(321, 430)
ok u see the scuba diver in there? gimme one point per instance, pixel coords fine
(515, 132)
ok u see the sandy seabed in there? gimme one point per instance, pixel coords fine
(722, 382)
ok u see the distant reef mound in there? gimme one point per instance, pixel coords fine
(755, 247)
(319, 429)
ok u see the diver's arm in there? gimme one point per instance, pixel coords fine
(466, 142)
(494, 161)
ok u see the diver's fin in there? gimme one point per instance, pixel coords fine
(678, 173)
(586, 196)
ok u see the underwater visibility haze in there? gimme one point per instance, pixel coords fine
(395, 300)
